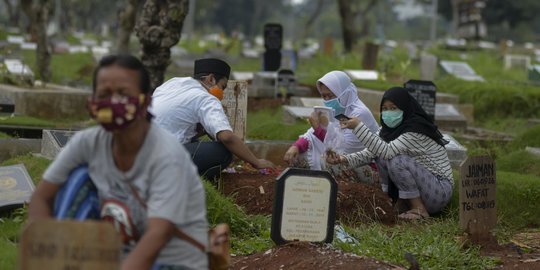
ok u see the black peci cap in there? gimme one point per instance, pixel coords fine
(212, 65)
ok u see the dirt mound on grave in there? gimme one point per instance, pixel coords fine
(302, 255)
(356, 202)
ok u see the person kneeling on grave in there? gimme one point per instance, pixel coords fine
(190, 107)
(410, 154)
(325, 135)
(145, 180)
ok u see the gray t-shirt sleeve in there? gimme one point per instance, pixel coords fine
(71, 156)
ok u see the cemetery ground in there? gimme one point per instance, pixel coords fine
(503, 103)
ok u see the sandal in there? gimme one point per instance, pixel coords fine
(413, 214)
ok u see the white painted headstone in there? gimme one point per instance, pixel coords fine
(15, 39)
(517, 61)
(16, 67)
(428, 67)
(242, 75)
(461, 70)
(28, 46)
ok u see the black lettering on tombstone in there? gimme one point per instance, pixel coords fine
(61, 137)
(425, 93)
(477, 209)
(16, 187)
(304, 206)
(6, 105)
(285, 81)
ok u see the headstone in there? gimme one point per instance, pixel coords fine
(534, 73)
(461, 70)
(88, 42)
(412, 50)
(6, 105)
(304, 206)
(364, 75)
(448, 117)
(328, 46)
(28, 46)
(517, 61)
(477, 209)
(288, 59)
(369, 59)
(99, 52)
(263, 84)
(285, 82)
(77, 49)
(291, 114)
(273, 39)
(242, 75)
(250, 53)
(53, 141)
(306, 102)
(15, 39)
(16, 187)
(17, 68)
(425, 93)
(428, 67)
(235, 106)
(52, 244)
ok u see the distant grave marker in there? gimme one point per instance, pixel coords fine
(273, 38)
(428, 67)
(534, 73)
(53, 141)
(517, 61)
(52, 244)
(425, 93)
(17, 68)
(461, 70)
(328, 46)
(365, 75)
(304, 206)
(285, 81)
(369, 59)
(16, 186)
(235, 106)
(15, 39)
(477, 211)
(6, 105)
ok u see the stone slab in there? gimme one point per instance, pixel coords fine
(517, 61)
(457, 153)
(306, 101)
(53, 141)
(16, 186)
(18, 68)
(12, 147)
(428, 67)
(242, 75)
(291, 113)
(461, 70)
(365, 75)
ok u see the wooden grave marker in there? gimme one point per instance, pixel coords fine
(304, 206)
(477, 208)
(235, 105)
(69, 245)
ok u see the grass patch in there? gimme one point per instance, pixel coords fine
(267, 125)
(65, 68)
(4, 135)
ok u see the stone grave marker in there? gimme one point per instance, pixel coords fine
(517, 61)
(425, 93)
(242, 75)
(263, 84)
(16, 186)
(365, 75)
(285, 82)
(14, 39)
(6, 105)
(291, 113)
(28, 46)
(369, 59)
(448, 117)
(273, 39)
(52, 244)
(17, 68)
(235, 106)
(461, 70)
(534, 73)
(306, 101)
(477, 209)
(53, 141)
(304, 206)
(428, 67)
(328, 46)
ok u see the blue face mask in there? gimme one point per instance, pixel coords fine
(392, 118)
(334, 104)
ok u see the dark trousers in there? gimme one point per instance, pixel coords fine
(210, 157)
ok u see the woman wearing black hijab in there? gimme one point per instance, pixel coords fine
(409, 152)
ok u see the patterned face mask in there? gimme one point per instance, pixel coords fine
(116, 112)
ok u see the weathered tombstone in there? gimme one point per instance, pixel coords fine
(15, 39)
(53, 141)
(461, 70)
(328, 45)
(428, 67)
(16, 186)
(18, 69)
(369, 59)
(304, 206)
(534, 73)
(288, 59)
(285, 82)
(477, 209)
(291, 113)
(235, 106)
(425, 93)
(364, 75)
(517, 61)
(273, 37)
(263, 84)
(52, 244)
(28, 46)
(6, 105)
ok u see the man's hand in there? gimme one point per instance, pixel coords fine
(263, 163)
(351, 124)
(291, 155)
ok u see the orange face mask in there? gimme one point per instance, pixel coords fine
(216, 91)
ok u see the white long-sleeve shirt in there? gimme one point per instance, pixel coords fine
(424, 150)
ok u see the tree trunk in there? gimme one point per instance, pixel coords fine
(13, 12)
(347, 24)
(43, 55)
(26, 6)
(455, 17)
(158, 29)
(126, 23)
(312, 18)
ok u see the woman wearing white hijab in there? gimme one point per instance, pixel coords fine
(340, 94)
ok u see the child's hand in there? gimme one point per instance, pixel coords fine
(351, 124)
(334, 158)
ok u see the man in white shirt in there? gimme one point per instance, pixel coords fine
(189, 107)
